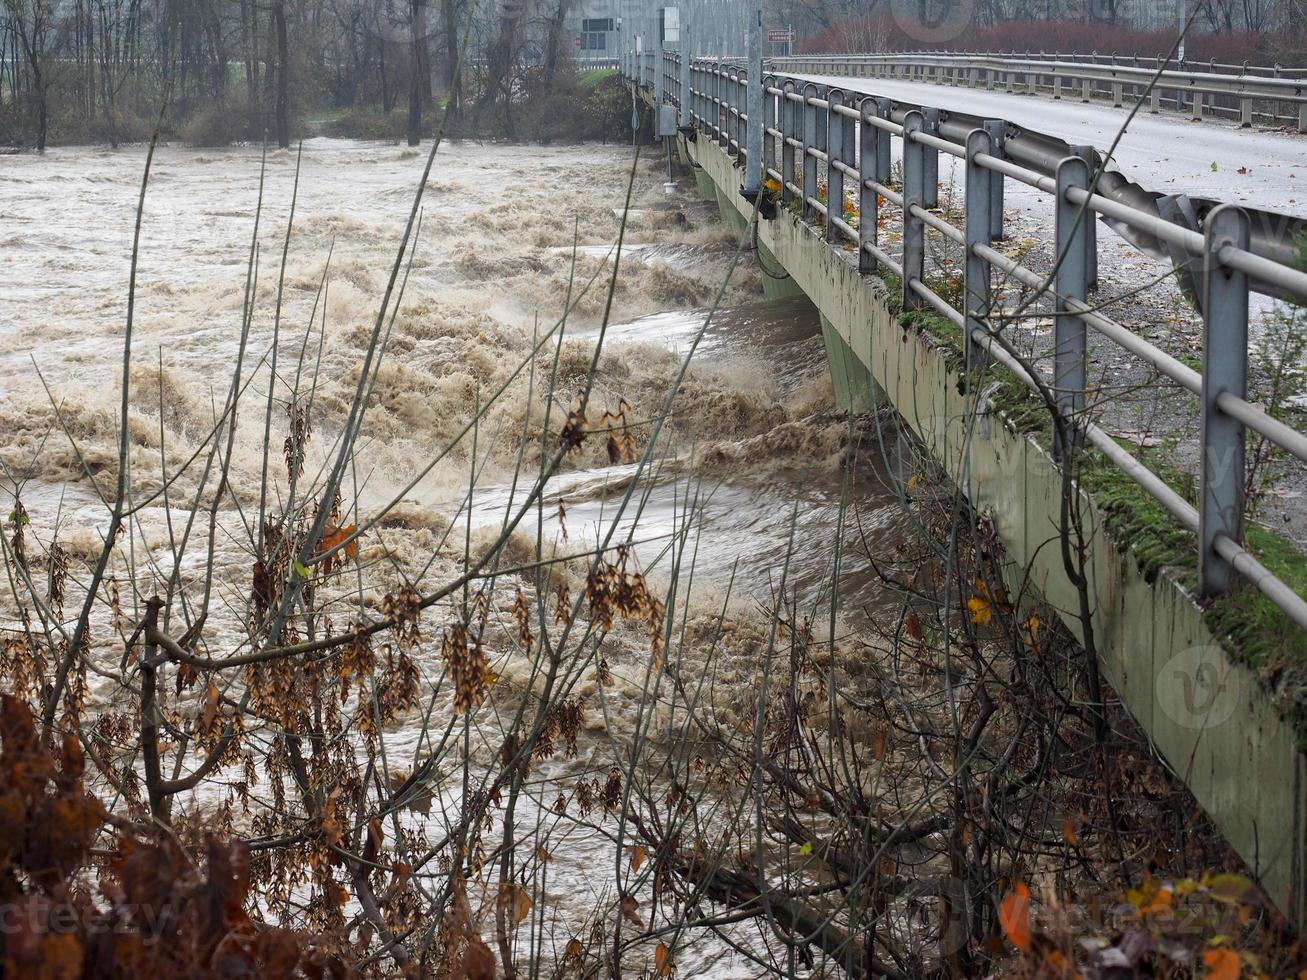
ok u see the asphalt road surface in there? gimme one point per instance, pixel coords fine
(1166, 152)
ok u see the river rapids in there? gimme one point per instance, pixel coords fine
(752, 455)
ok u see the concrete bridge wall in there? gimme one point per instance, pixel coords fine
(1206, 714)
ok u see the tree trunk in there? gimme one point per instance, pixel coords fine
(419, 80)
(42, 99)
(42, 115)
(553, 40)
(283, 76)
(453, 37)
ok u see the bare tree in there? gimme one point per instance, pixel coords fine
(31, 22)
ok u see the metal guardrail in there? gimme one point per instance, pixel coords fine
(597, 64)
(813, 130)
(1154, 62)
(1244, 97)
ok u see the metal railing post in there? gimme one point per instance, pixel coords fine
(706, 116)
(696, 93)
(730, 99)
(809, 143)
(997, 130)
(848, 127)
(769, 122)
(914, 194)
(1225, 371)
(744, 103)
(687, 88)
(1071, 283)
(930, 176)
(725, 95)
(708, 113)
(736, 90)
(734, 124)
(1088, 154)
(868, 199)
(705, 98)
(977, 284)
(685, 117)
(835, 148)
(884, 155)
(789, 127)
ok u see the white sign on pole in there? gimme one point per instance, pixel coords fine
(671, 25)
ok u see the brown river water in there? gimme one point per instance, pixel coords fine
(754, 439)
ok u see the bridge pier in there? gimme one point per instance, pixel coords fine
(852, 385)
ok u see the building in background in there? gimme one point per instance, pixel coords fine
(597, 36)
(606, 28)
(595, 24)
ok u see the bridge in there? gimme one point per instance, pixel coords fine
(1270, 96)
(839, 170)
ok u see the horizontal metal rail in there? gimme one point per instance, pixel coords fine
(1135, 60)
(1032, 158)
(809, 130)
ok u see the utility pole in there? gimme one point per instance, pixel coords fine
(1184, 22)
(659, 20)
(753, 142)
(683, 46)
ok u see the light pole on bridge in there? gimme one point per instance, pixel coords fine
(1184, 23)
(754, 137)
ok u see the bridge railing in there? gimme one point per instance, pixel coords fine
(819, 135)
(1154, 62)
(597, 64)
(1241, 96)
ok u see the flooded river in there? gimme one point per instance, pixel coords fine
(748, 473)
(499, 230)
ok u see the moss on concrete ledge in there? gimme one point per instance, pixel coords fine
(938, 332)
(1258, 634)
(1251, 628)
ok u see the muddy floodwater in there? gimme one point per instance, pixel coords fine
(749, 471)
(500, 229)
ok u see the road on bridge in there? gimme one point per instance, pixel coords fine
(1165, 153)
